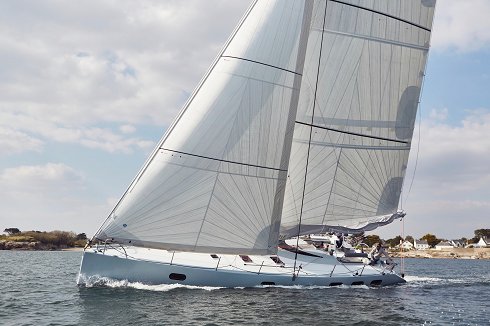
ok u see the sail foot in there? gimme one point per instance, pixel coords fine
(362, 226)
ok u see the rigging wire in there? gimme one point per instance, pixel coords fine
(419, 132)
(402, 257)
(419, 112)
(417, 153)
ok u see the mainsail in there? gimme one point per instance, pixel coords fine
(359, 96)
(216, 181)
(302, 124)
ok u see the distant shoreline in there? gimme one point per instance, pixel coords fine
(34, 246)
(45, 241)
(454, 253)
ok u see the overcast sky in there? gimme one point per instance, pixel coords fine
(88, 88)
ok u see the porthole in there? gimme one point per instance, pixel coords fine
(335, 284)
(358, 283)
(177, 277)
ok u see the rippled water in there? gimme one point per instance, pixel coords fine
(38, 288)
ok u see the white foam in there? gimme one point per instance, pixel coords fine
(107, 282)
(421, 279)
(413, 280)
(169, 287)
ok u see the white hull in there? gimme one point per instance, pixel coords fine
(151, 266)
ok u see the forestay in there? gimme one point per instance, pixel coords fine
(359, 95)
(216, 181)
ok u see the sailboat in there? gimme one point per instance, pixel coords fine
(302, 125)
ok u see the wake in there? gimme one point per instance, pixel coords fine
(418, 281)
(94, 282)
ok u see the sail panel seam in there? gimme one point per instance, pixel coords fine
(262, 63)
(224, 161)
(375, 39)
(383, 14)
(352, 133)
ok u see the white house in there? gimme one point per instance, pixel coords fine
(407, 245)
(458, 243)
(421, 245)
(484, 242)
(444, 245)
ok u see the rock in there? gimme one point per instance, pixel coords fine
(14, 245)
(33, 245)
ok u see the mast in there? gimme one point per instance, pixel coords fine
(286, 152)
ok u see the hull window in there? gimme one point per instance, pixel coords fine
(177, 277)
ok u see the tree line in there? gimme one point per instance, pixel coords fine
(432, 240)
(56, 239)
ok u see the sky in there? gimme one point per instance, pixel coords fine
(87, 90)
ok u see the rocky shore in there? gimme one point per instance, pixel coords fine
(455, 253)
(33, 245)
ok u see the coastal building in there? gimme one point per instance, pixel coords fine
(458, 243)
(483, 243)
(444, 245)
(407, 245)
(421, 245)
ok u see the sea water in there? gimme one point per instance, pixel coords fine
(38, 288)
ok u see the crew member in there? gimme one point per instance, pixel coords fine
(377, 252)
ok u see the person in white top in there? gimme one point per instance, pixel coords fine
(377, 252)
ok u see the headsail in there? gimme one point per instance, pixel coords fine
(359, 95)
(216, 181)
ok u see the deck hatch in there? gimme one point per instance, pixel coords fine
(246, 258)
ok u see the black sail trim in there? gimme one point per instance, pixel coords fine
(224, 161)
(261, 63)
(353, 133)
(383, 14)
